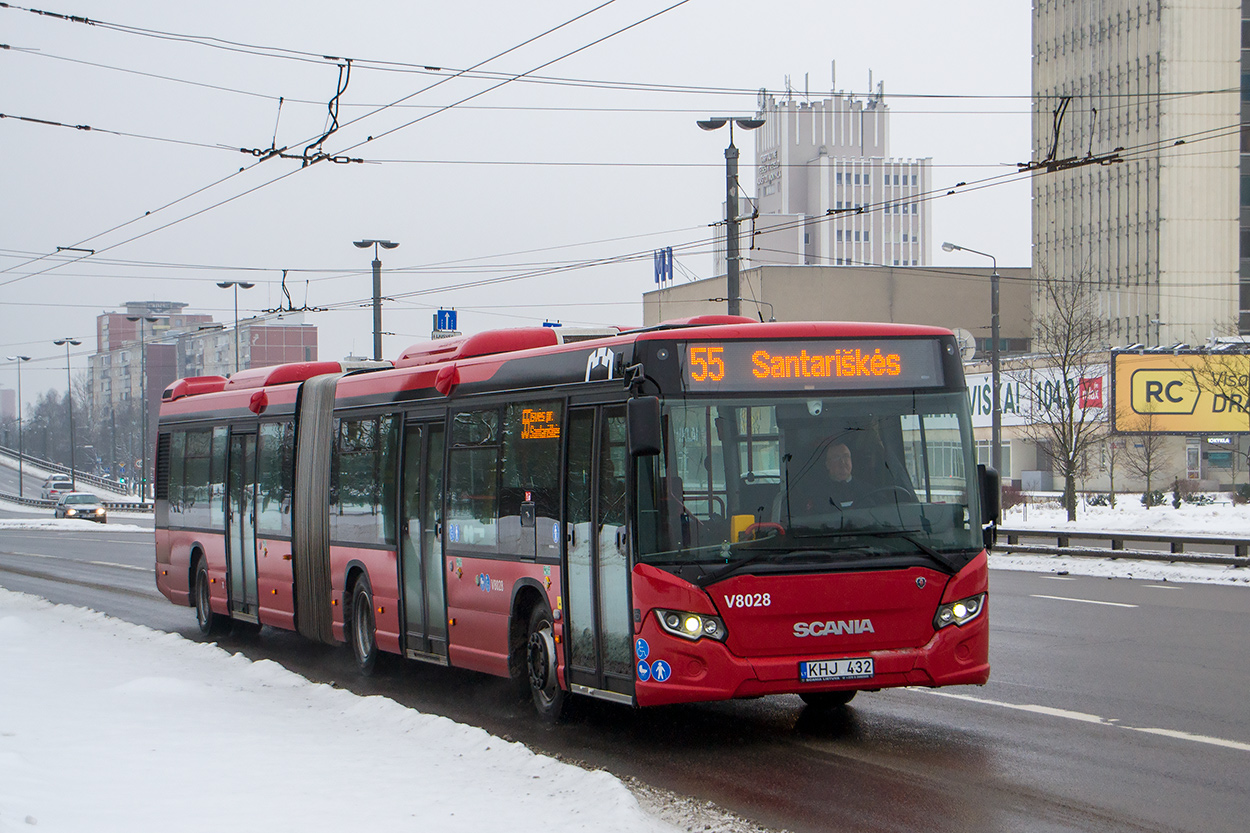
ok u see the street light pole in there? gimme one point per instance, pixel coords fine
(69, 398)
(996, 429)
(21, 454)
(237, 286)
(732, 288)
(377, 290)
(143, 399)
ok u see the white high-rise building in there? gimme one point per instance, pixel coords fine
(1153, 84)
(828, 192)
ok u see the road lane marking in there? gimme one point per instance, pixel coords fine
(1165, 587)
(1060, 578)
(76, 561)
(122, 566)
(1082, 717)
(1082, 601)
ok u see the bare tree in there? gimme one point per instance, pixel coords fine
(1144, 451)
(1115, 456)
(1066, 376)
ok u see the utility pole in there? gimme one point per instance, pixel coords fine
(732, 286)
(377, 290)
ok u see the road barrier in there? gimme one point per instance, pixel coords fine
(1178, 546)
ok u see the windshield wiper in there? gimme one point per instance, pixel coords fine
(939, 557)
(791, 555)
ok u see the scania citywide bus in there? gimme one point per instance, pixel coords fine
(627, 516)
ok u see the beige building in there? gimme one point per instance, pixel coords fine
(953, 297)
(1150, 88)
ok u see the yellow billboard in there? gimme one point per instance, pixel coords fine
(1180, 393)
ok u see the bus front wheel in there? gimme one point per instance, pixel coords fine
(540, 653)
(362, 631)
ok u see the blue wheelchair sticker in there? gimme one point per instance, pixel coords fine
(642, 649)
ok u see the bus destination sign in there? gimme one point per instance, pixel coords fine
(844, 364)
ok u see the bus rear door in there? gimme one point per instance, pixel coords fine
(241, 526)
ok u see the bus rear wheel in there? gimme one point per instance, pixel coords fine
(827, 699)
(540, 661)
(210, 623)
(361, 629)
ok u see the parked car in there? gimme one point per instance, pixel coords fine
(82, 505)
(55, 485)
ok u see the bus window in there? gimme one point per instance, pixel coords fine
(177, 461)
(362, 504)
(273, 499)
(473, 480)
(530, 465)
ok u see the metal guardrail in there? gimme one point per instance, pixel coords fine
(1177, 546)
(111, 505)
(48, 465)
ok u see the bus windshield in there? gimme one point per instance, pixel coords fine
(798, 482)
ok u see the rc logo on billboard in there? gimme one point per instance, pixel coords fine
(1164, 391)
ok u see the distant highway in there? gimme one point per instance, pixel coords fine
(1114, 705)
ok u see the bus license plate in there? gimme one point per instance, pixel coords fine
(816, 670)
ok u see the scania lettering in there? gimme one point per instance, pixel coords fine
(634, 516)
(802, 629)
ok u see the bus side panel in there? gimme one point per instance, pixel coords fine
(214, 548)
(383, 571)
(479, 609)
(275, 584)
(172, 573)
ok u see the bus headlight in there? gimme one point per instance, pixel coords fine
(692, 626)
(959, 613)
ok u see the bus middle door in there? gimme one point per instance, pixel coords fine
(598, 630)
(421, 554)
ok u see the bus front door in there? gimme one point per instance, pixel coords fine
(241, 527)
(421, 562)
(599, 630)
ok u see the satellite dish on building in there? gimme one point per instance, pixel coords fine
(967, 344)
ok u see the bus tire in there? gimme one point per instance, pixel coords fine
(211, 624)
(361, 628)
(823, 700)
(540, 660)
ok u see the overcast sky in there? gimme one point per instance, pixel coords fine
(532, 185)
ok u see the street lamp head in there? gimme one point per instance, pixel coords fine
(245, 285)
(362, 244)
(749, 124)
(225, 284)
(72, 341)
(712, 124)
(949, 247)
(18, 358)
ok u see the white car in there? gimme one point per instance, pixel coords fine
(55, 485)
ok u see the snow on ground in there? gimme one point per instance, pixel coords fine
(1128, 515)
(1221, 518)
(109, 726)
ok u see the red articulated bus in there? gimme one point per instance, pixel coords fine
(653, 516)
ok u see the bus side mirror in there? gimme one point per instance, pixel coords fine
(643, 426)
(991, 494)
